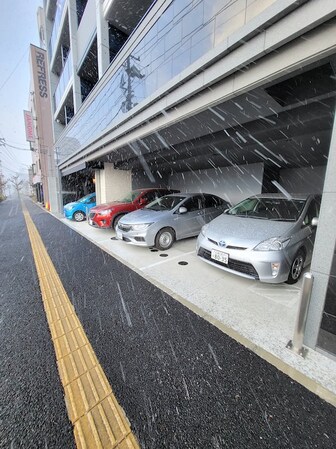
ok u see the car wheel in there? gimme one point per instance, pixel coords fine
(164, 238)
(78, 215)
(116, 220)
(296, 267)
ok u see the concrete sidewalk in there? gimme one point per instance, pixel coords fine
(260, 316)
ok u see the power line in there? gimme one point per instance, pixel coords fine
(13, 71)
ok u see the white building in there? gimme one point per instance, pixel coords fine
(221, 96)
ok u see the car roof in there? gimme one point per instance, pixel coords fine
(188, 195)
(149, 189)
(293, 196)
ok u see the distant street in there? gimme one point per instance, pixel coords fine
(181, 382)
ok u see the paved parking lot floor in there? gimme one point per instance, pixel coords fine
(260, 316)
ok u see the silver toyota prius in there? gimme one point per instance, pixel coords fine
(269, 237)
(169, 218)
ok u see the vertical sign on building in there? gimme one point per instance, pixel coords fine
(29, 126)
(39, 68)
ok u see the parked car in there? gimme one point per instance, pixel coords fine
(107, 215)
(169, 218)
(78, 210)
(269, 237)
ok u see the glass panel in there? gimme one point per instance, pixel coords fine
(57, 21)
(64, 80)
(173, 40)
(182, 34)
(181, 59)
(192, 20)
(202, 41)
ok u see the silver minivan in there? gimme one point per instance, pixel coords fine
(268, 237)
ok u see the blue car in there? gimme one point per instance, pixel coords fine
(78, 210)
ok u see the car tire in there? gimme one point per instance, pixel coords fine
(164, 239)
(296, 267)
(116, 221)
(78, 216)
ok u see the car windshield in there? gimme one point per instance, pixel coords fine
(277, 209)
(84, 199)
(165, 203)
(130, 197)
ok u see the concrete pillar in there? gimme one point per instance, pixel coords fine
(112, 184)
(103, 45)
(77, 96)
(324, 248)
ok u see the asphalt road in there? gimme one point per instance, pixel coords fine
(32, 409)
(181, 381)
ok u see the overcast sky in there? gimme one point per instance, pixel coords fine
(18, 29)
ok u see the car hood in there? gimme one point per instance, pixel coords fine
(71, 205)
(106, 206)
(144, 216)
(246, 232)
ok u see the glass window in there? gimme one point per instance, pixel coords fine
(194, 203)
(312, 212)
(212, 201)
(150, 196)
(166, 202)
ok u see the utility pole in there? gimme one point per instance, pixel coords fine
(2, 182)
(132, 72)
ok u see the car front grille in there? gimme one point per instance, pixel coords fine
(124, 227)
(235, 265)
(241, 248)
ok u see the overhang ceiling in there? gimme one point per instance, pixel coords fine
(284, 125)
(126, 14)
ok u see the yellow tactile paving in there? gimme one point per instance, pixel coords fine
(97, 427)
(86, 392)
(64, 325)
(75, 364)
(99, 421)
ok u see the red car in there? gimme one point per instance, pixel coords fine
(107, 215)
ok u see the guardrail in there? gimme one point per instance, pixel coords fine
(296, 345)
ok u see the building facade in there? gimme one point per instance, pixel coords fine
(232, 97)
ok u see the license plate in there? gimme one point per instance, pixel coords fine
(220, 256)
(119, 235)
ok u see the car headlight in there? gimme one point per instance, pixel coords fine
(273, 244)
(105, 212)
(204, 228)
(141, 227)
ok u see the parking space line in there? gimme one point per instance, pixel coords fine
(98, 420)
(168, 259)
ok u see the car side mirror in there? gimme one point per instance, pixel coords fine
(314, 221)
(182, 210)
